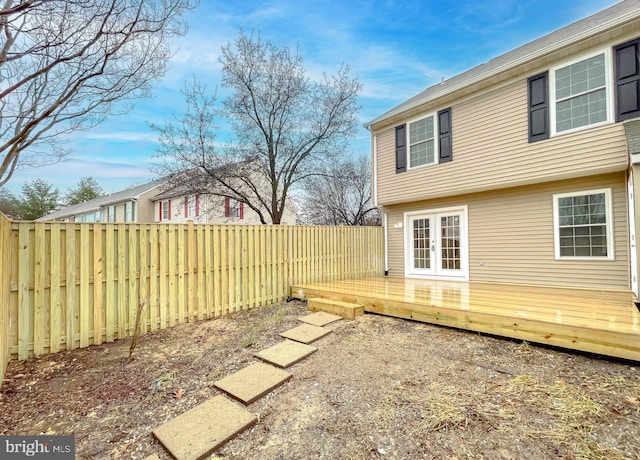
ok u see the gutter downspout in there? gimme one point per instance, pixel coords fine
(374, 187)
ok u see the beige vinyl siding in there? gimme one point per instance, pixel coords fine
(511, 235)
(144, 207)
(491, 150)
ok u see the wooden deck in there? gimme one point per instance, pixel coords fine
(596, 321)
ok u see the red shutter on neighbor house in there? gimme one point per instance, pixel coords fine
(197, 205)
(226, 206)
(169, 210)
(241, 210)
(160, 211)
(186, 206)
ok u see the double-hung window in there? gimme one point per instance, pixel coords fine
(191, 206)
(580, 93)
(583, 225)
(428, 140)
(130, 211)
(421, 142)
(165, 210)
(111, 214)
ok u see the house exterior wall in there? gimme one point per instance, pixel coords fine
(511, 235)
(490, 141)
(491, 150)
(145, 207)
(212, 211)
(508, 162)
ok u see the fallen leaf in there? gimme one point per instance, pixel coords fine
(179, 393)
(634, 400)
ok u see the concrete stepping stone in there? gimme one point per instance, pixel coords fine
(286, 353)
(252, 382)
(203, 429)
(320, 318)
(305, 333)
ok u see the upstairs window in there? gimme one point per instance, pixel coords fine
(421, 135)
(581, 93)
(428, 139)
(233, 209)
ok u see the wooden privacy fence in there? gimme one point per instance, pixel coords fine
(70, 285)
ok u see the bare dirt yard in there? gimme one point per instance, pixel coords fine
(376, 388)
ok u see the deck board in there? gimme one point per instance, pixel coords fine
(606, 322)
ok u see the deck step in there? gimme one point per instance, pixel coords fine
(345, 309)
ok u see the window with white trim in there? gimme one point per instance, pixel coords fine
(111, 214)
(191, 207)
(421, 142)
(583, 225)
(165, 210)
(129, 211)
(580, 93)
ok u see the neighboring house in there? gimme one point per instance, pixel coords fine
(130, 205)
(174, 206)
(523, 169)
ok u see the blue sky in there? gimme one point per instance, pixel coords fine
(396, 49)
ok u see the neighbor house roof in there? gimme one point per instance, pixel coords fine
(100, 202)
(607, 19)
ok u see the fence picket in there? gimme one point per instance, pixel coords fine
(154, 277)
(71, 318)
(84, 274)
(110, 303)
(122, 311)
(40, 334)
(98, 309)
(55, 303)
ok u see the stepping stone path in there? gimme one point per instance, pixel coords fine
(199, 431)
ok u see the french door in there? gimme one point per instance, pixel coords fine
(436, 245)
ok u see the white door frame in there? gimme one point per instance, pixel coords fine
(463, 273)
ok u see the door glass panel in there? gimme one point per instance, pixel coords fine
(421, 244)
(450, 242)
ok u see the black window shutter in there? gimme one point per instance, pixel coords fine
(627, 64)
(538, 107)
(401, 148)
(444, 135)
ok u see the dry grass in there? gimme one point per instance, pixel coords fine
(269, 318)
(565, 414)
(376, 388)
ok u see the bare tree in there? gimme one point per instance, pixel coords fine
(341, 195)
(285, 126)
(65, 64)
